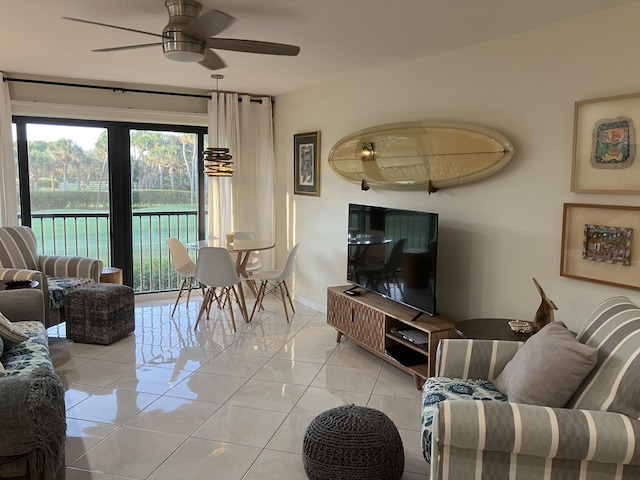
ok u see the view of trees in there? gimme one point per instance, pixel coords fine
(159, 161)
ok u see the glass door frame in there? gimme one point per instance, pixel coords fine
(120, 201)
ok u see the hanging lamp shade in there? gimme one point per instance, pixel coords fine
(217, 162)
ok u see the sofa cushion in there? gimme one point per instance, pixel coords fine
(614, 329)
(438, 389)
(10, 334)
(2, 373)
(548, 369)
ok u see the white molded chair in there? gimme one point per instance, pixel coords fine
(270, 281)
(215, 270)
(184, 266)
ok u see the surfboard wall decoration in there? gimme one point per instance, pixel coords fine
(420, 155)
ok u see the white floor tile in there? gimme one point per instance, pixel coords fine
(271, 464)
(207, 387)
(130, 452)
(279, 397)
(110, 405)
(241, 425)
(352, 379)
(233, 365)
(288, 371)
(175, 415)
(198, 458)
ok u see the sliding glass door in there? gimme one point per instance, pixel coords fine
(113, 191)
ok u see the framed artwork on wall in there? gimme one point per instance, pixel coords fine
(604, 145)
(306, 163)
(601, 243)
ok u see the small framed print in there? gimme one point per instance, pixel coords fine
(306, 163)
(604, 145)
(601, 243)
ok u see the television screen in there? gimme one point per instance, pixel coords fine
(393, 252)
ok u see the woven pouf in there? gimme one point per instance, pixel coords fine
(352, 442)
(99, 313)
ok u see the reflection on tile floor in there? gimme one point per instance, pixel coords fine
(167, 402)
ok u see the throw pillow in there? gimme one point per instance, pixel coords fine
(10, 334)
(548, 369)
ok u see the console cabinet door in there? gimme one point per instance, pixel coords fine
(368, 326)
(339, 312)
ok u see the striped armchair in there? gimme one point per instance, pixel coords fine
(596, 435)
(57, 274)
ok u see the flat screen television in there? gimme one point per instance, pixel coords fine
(393, 253)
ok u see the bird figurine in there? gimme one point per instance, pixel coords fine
(544, 314)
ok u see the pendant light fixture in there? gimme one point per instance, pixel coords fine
(217, 160)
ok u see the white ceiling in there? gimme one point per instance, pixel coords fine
(336, 37)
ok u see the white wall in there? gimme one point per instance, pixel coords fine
(497, 233)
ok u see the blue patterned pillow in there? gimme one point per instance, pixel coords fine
(438, 389)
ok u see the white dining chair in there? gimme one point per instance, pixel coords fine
(185, 268)
(274, 281)
(215, 270)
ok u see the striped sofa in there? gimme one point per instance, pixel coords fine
(56, 274)
(595, 436)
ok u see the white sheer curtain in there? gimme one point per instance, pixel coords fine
(8, 195)
(223, 128)
(244, 202)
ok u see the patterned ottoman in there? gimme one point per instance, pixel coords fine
(352, 443)
(100, 313)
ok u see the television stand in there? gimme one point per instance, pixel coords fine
(418, 315)
(368, 320)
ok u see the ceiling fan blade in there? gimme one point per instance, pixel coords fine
(113, 26)
(212, 61)
(127, 47)
(207, 25)
(253, 46)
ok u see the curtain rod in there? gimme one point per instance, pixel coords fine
(116, 89)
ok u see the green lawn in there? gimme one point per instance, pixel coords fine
(90, 237)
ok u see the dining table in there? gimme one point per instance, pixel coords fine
(243, 248)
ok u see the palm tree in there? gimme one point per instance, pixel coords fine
(65, 151)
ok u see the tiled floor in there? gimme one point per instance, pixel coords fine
(167, 402)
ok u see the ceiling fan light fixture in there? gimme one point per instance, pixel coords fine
(184, 55)
(179, 47)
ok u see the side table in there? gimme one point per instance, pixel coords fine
(111, 275)
(489, 329)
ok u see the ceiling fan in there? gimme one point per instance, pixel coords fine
(189, 36)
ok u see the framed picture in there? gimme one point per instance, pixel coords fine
(601, 243)
(306, 163)
(604, 145)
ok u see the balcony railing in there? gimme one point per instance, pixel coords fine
(87, 234)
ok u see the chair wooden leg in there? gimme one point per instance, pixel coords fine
(206, 301)
(189, 290)
(184, 280)
(228, 300)
(284, 302)
(289, 296)
(259, 298)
